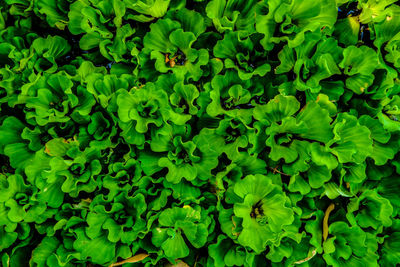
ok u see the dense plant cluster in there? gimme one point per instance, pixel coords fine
(200, 133)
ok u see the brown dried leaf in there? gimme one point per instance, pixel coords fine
(136, 258)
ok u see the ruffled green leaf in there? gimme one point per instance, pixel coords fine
(98, 249)
(232, 15)
(293, 20)
(348, 246)
(352, 142)
(370, 210)
(358, 63)
(237, 52)
(146, 11)
(42, 255)
(263, 210)
(277, 109)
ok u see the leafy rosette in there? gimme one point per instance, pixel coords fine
(49, 189)
(8, 90)
(358, 65)
(161, 142)
(390, 114)
(44, 54)
(231, 96)
(98, 23)
(298, 144)
(182, 97)
(103, 29)
(387, 36)
(293, 19)
(177, 224)
(102, 128)
(354, 175)
(42, 104)
(349, 246)
(292, 249)
(187, 193)
(232, 15)
(140, 110)
(18, 8)
(19, 206)
(49, 252)
(373, 11)
(19, 143)
(97, 250)
(226, 253)
(158, 193)
(170, 41)
(264, 210)
(352, 142)
(147, 10)
(370, 210)
(312, 169)
(9, 236)
(67, 170)
(123, 48)
(383, 147)
(314, 60)
(243, 55)
(9, 221)
(121, 174)
(230, 136)
(14, 48)
(52, 96)
(103, 86)
(390, 246)
(188, 159)
(102, 125)
(181, 161)
(57, 247)
(106, 220)
(85, 18)
(312, 123)
(387, 188)
(80, 173)
(15, 252)
(55, 11)
(230, 170)
(122, 218)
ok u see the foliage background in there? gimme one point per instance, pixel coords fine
(206, 133)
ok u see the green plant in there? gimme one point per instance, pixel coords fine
(199, 133)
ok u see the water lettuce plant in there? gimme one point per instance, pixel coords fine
(199, 133)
